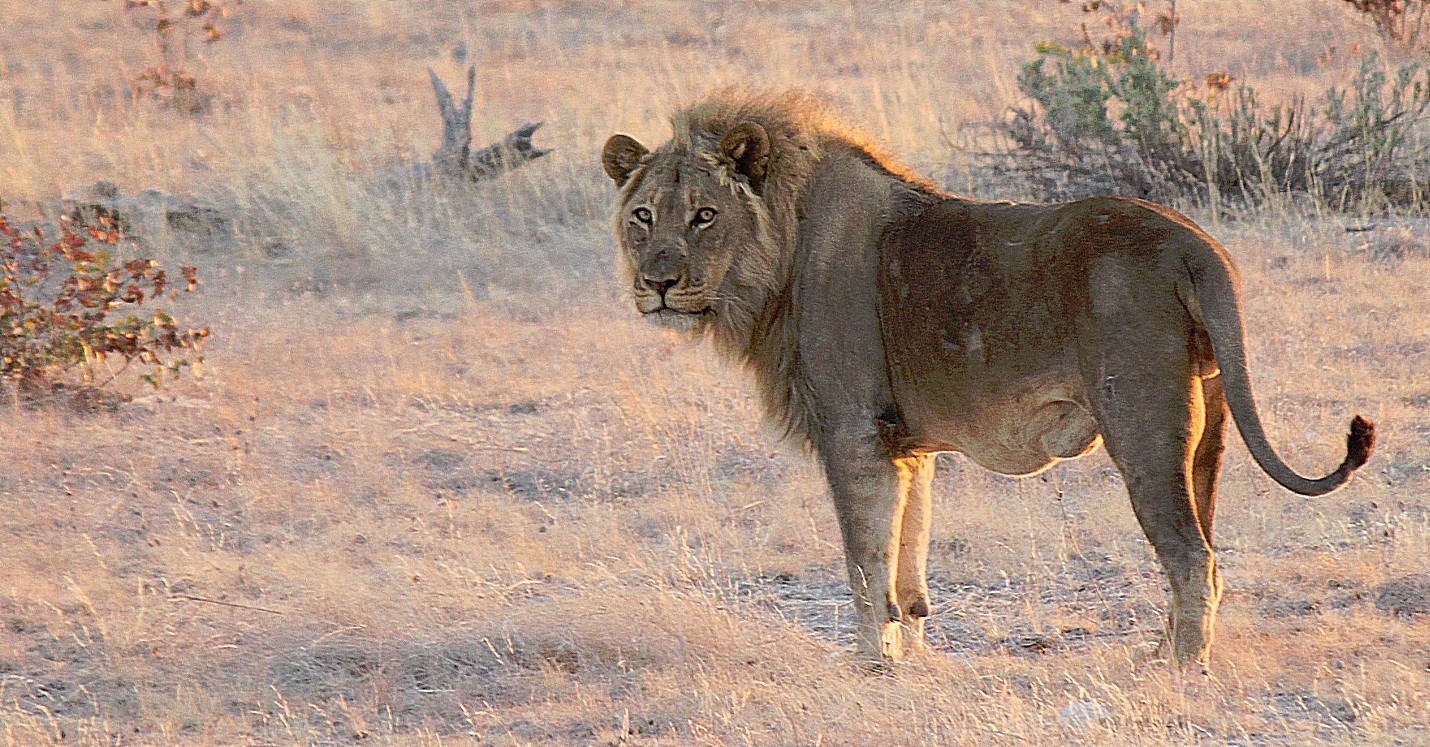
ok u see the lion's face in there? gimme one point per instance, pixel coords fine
(686, 221)
(680, 229)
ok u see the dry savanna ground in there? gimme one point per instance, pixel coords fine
(437, 486)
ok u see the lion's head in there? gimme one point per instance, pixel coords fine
(691, 224)
(706, 221)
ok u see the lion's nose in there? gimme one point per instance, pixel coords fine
(659, 284)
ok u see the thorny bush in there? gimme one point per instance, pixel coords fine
(72, 302)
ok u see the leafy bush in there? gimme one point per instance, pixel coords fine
(1109, 118)
(66, 304)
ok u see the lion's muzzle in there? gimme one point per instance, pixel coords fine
(674, 293)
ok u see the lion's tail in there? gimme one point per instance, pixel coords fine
(1217, 296)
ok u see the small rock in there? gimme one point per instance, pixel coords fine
(1083, 715)
(149, 213)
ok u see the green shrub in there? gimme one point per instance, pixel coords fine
(1110, 119)
(72, 303)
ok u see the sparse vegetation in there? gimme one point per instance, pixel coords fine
(73, 303)
(178, 28)
(1108, 117)
(439, 487)
(1400, 22)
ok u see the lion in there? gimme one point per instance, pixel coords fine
(886, 321)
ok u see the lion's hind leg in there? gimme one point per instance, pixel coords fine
(1206, 467)
(1148, 404)
(1155, 456)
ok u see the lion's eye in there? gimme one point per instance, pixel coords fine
(643, 215)
(703, 216)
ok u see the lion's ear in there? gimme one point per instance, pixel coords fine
(621, 155)
(747, 148)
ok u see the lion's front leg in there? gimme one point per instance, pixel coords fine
(912, 591)
(865, 484)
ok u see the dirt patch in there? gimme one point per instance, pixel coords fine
(544, 484)
(1328, 711)
(820, 603)
(1407, 595)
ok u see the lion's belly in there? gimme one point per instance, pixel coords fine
(981, 342)
(1004, 427)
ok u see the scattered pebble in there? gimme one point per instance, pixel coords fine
(1083, 715)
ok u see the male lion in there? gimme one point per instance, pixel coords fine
(886, 321)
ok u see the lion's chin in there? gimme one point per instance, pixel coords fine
(677, 321)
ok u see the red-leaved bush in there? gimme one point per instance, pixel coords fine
(71, 303)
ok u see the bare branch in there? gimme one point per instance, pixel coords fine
(514, 150)
(454, 156)
(456, 124)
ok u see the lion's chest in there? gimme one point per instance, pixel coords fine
(980, 346)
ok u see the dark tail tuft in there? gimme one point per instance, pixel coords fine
(1359, 443)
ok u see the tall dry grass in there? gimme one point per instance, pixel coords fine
(439, 487)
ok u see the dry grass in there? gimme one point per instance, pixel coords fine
(439, 487)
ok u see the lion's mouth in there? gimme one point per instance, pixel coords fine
(670, 318)
(651, 304)
(664, 309)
